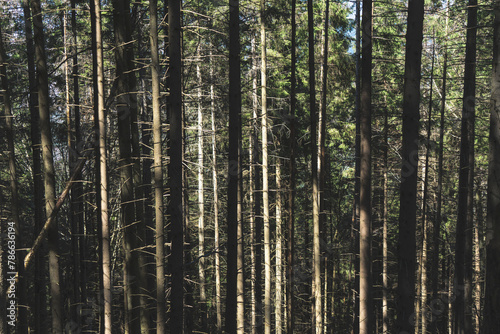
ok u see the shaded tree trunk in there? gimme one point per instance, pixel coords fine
(48, 164)
(175, 171)
(491, 320)
(233, 168)
(462, 307)
(365, 212)
(291, 192)
(39, 312)
(409, 169)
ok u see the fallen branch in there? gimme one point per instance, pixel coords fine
(59, 203)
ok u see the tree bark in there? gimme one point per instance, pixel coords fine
(39, 312)
(291, 192)
(233, 168)
(491, 320)
(21, 321)
(158, 171)
(365, 212)
(48, 164)
(316, 280)
(462, 307)
(103, 178)
(409, 169)
(175, 171)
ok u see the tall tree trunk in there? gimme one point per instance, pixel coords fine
(279, 251)
(139, 199)
(425, 233)
(265, 172)
(316, 280)
(291, 192)
(233, 168)
(251, 191)
(21, 321)
(439, 323)
(477, 262)
(409, 169)
(175, 173)
(39, 312)
(218, 304)
(103, 181)
(462, 308)
(365, 214)
(201, 205)
(357, 183)
(126, 109)
(491, 320)
(385, 216)
(77, 192)
(48, 164)
(158, 171)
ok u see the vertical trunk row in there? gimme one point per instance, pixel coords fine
(409, 169)
(48, 164)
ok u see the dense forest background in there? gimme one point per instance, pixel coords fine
(250, 166)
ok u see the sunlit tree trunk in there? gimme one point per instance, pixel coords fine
(158, 171)
(218, 304)
(316, 280)
(103, 181)
(265, 172)
(279, 251)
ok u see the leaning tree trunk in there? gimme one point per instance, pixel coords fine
(409, 169)
(48, 164)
